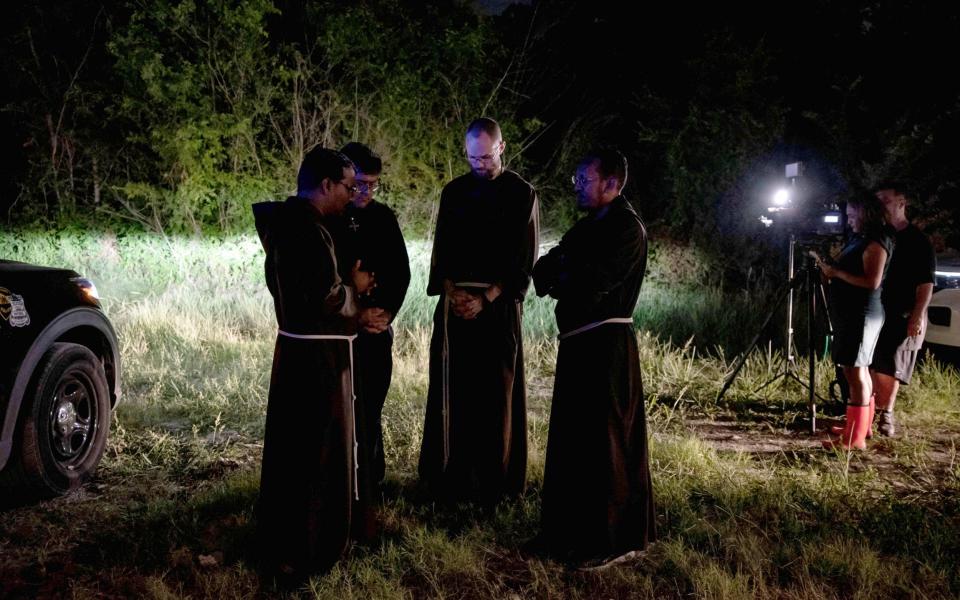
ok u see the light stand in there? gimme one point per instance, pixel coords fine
(811, 285)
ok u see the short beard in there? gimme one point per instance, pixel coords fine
(488, 174)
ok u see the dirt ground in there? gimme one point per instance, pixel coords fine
(894, 460)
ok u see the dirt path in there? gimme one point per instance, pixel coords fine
(916, 458)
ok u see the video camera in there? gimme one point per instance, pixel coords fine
(810, 219)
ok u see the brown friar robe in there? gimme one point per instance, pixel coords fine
(310, 481)
(597, 494)
(474, 438)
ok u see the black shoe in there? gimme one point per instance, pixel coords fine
(888, 425)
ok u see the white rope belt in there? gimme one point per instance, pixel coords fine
(446, 367)
(356, 445)
(594, 325)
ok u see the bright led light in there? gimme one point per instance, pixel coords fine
(831, 218)
(781, 197)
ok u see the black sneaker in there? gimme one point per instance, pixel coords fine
(888, 425)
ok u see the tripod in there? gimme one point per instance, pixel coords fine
(809, 283)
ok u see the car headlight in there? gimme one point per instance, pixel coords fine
(87, 287)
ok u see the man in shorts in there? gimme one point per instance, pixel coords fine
(906, 294)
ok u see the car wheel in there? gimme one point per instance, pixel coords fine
(64, 427)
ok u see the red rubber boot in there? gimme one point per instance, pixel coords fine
(854, 432)
(839, 429)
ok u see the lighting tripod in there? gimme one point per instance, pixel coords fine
(808, 282)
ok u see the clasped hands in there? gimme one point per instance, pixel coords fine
(465, 304)
(373, 319)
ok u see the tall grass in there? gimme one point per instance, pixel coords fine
(180, 476)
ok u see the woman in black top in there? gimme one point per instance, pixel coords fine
(855, 278)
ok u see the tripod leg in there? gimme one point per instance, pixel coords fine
(811, 352)
(781, 296)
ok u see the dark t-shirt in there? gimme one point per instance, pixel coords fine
(914, 263)
(372, 235)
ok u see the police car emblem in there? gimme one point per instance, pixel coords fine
(13, 309)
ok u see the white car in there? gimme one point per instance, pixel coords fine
(943, 329)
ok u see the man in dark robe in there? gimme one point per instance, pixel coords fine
(308, 484)
(368, 231)
(597, 493)
(474, 439)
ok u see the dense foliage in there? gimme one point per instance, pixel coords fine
(177, 114)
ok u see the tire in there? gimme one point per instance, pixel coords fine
(63, 425)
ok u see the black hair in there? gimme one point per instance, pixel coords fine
(319, 164)
(364, 159)
(610, 163)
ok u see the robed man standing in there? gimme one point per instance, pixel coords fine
(485, 244)
(597, 493)
(309, 481)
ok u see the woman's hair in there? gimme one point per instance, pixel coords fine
(872, 214)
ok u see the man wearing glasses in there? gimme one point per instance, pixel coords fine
(368, 231)
(597, 494)
(485, 244)
(309, 478)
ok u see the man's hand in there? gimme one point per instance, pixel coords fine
(914, 325)
(465, 305)
(363, 281)
(471, 307)
(375, 320)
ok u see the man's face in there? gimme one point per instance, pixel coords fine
(589, 186)
(367, 186)
(483, 154)
(344, 190)
(893, 203)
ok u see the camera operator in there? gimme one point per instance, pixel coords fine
(855, 278)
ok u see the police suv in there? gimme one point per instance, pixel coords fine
(59, 380)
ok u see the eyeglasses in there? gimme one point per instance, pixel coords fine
(482, 159)
(368, 187)
(350, 188)
(580, 181)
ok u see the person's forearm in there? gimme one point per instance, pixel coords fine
(874, 258)
(922, 300)
(870, 282)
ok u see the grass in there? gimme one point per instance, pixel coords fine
(748, 506)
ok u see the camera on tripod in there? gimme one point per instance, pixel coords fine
(806, 217)
(815, 228)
